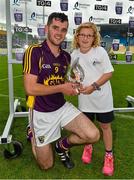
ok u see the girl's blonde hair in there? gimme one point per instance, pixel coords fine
(89, 25)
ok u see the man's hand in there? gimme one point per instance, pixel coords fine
(70, 88)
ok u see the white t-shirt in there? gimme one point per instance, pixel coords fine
(95, 63)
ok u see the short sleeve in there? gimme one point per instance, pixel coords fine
(31, 60)
(107, 66)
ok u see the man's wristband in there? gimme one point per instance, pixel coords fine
(96, 86)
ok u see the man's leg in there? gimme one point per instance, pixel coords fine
(44, 156)
(64, 153)
(44, 131)
(83, 130)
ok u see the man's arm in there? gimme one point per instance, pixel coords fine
(36, 89)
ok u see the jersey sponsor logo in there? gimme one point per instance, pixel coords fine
(54, 80)
(56, 64)
(46, 66)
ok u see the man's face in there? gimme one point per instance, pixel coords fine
(56, 32)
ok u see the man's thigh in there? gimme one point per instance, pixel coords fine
(46, 127)
(82, 126)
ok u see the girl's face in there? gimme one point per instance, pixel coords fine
(86, 38)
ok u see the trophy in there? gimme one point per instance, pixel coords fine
(75, 73)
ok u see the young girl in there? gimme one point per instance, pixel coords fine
(95, 98)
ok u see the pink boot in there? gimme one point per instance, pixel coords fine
(87, 154)
(108, 168)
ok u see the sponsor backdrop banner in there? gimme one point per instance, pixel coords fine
(30, 15)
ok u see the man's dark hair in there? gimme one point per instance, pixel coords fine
(56, 15)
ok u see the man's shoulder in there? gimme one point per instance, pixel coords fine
(33, 47)
(35, 50)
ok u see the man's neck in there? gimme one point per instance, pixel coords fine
(54, 49)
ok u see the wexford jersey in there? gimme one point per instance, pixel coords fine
(39, 60)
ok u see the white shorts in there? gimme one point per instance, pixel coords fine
(47, 125)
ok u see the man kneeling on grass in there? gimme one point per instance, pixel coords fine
(44, 68)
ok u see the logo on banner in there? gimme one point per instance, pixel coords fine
(128, 56)
(22, 29)
(18, 15)
(93, 19)
(19, 52)
(118, 7)
(115, 44)
(41, 30)
(130, 10)
(114, 21)
(64, 5)
(78, 6)
(16, 2)
(33, 16)
(78, 18)
(131, 22)
(99, 7)
(43, 3)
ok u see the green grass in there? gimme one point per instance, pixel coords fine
(123, 57)
(25, 167)
(122, 83)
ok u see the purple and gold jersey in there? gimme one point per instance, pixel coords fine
(51, 70)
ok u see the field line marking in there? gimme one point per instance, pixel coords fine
(14, 77)
(124, 116)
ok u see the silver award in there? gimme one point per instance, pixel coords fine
(75, 73)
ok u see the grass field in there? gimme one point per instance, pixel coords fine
(25, 167)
